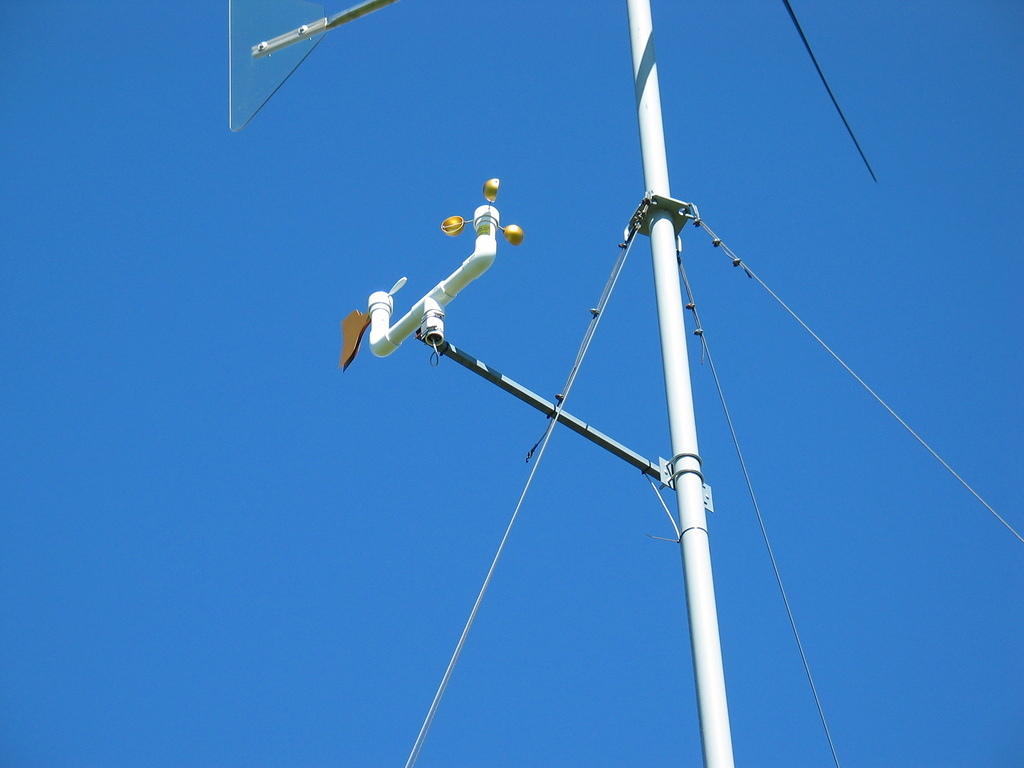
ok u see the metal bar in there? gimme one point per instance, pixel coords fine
(356, 11)
(316, 27)
(580, 427)
(275, 44)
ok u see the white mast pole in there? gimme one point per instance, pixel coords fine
(705, 645)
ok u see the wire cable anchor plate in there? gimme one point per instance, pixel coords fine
(680, 211)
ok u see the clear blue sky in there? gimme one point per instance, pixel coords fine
(218, 550)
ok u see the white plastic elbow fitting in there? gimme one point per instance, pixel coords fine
(381, 305)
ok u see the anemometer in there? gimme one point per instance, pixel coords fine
(426, 317)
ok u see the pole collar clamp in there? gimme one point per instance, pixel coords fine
(670, 470)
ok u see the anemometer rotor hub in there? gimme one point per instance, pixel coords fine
(486, 220)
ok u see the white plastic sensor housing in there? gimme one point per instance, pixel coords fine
(384, 337)
(431, 330)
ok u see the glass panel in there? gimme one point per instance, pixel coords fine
(252, 81)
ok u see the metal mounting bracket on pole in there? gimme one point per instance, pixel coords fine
(680, 211)
(709, 501)
(669, 475)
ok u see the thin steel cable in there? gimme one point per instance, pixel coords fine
(737, 261)
(835, 102)
(596, 312)
(692, 306)
(588, 336)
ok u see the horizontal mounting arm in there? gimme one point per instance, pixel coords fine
(480, 368)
